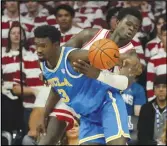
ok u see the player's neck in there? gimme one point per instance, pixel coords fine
(53, 60)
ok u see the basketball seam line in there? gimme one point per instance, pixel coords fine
(108, 56)
(95, 54)
(101, 60)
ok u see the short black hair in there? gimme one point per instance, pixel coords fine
(112, 12)
(48, 31)
(164, 27)
(65, 7)
(129, 11)
(161, 79)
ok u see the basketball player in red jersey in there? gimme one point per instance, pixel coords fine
(129, 21)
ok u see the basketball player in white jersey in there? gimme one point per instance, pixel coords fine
(129, 21)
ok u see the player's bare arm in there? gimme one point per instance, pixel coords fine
(51, 102)
(81, 38)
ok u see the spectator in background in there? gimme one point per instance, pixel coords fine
(72, 136)
(163, 139)
(31, 84)
(153, 115)
(11, 14)
(89, 15)
(64, 17)
(12, 104)
(157, 64)
(154, 45)
(134, 97)
(36, 14)
(160, 8)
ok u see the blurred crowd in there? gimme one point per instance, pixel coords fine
(21, 81)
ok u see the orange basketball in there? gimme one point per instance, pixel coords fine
(104, 54)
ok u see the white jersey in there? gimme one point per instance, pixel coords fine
(103, 33)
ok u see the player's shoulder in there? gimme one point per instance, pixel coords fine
(90, 31)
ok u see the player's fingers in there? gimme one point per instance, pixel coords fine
(83, 63)
(79, 70)
(80, 66)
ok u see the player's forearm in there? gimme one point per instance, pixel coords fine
(27, 91)
(51, 102)
(35, 116)
(117, 81)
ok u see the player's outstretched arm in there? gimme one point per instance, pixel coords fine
(81, 38)
(117, 81)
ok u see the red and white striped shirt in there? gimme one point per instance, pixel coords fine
(148, 20)
(67, 35)
(7, 23)
(156, 66)
(139, 49)
(39, 20)
(152, 48)
(31, 72)
(10, 65)
(89, 15)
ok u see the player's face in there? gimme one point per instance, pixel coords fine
(32, 6)
(12, 6)
(128, 27)
(64, 19)
(74, 132)
(160, 92)
(44, 48)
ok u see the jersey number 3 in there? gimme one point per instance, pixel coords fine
(64, 95)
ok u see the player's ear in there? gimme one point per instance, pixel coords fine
(57, 44)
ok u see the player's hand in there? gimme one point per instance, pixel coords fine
(32, 133)
(41, 128)
(134, 66)
(86, 69)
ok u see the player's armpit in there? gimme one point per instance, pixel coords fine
(81, 38)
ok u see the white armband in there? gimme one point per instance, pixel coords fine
(117, 81)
